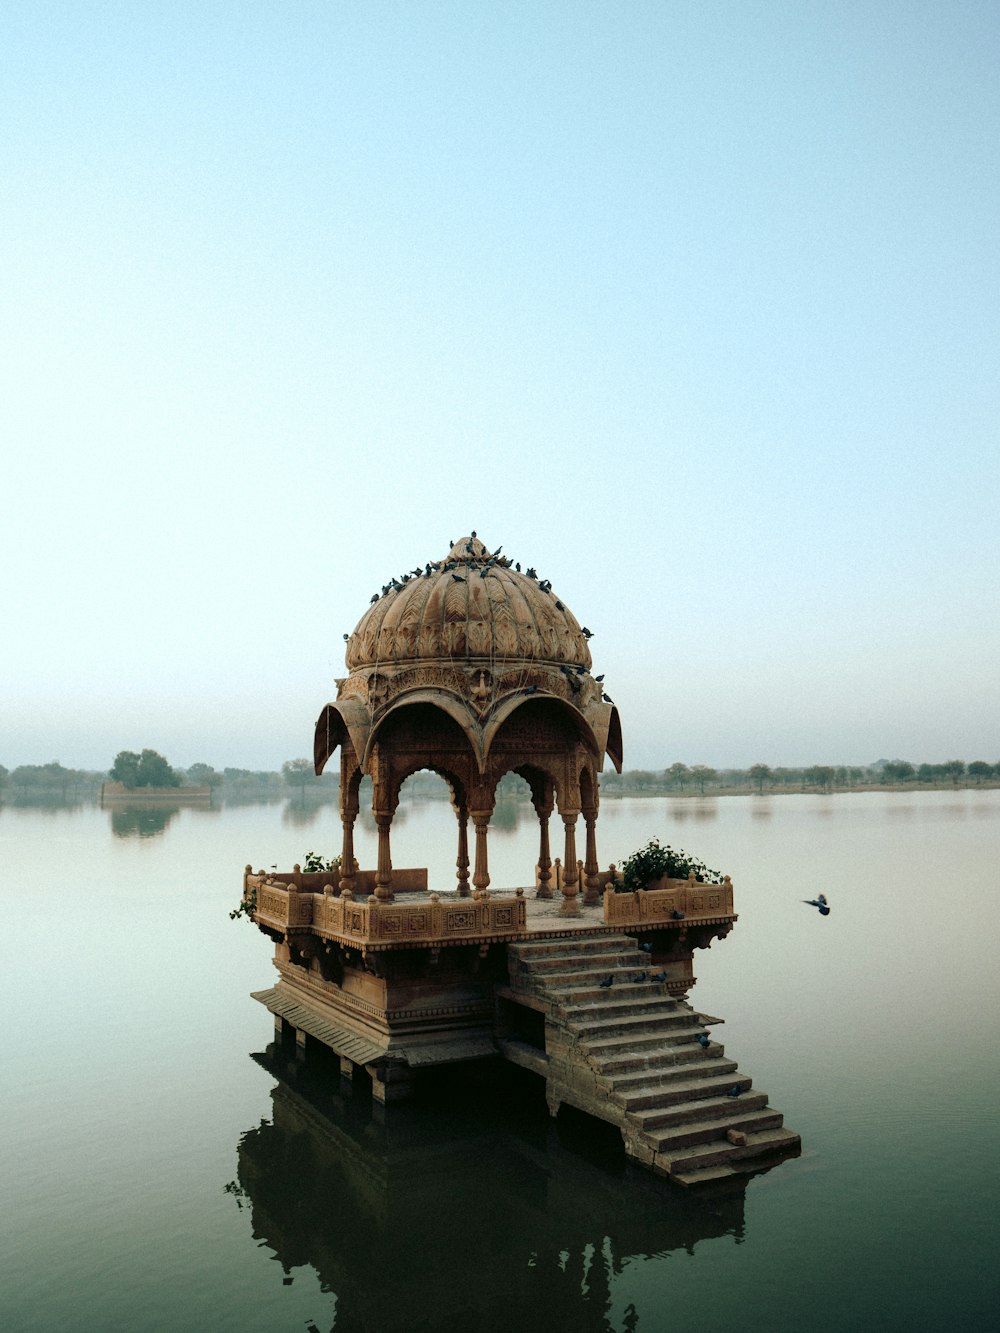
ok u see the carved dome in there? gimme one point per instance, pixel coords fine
(471, 607)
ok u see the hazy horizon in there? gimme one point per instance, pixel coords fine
(694, 308)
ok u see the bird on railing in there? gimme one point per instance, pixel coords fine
(609, 980)
(661, 976)
(820, 902)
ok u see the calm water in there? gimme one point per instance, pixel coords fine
(161, 1170)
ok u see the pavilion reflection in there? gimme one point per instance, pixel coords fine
(472, 1209)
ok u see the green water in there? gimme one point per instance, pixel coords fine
(163, 1169)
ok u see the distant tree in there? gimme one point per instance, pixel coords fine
(154, 771)
(125, 769)
(204, 775)
(148, 769)
(980, 769)
(758, 775)
(642, 778)
(930, 772)
(701, 774)
(4, 775)
(898, 770)
(955, 769)
(820, 775)
(45, 777)
(677, 774)
(298, 772)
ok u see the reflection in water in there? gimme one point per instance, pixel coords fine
(419, 1218)
(761, 807)
(141, 821)
(43, 800)
(686, 807)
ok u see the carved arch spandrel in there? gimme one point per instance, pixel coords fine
(582, 728)
(448, 704)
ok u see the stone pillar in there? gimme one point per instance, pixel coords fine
(570, 885)
(590, 866)
(383, 871)
(544, 810)
(463, 851)
(391, 1082)
(348, 865)
(481, 873)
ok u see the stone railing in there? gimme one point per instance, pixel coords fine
(281, 905)
(658, 903)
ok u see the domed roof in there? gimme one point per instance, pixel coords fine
(471, 606)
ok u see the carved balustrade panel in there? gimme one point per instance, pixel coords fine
(697, 902)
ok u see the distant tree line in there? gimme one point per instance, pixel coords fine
(148, 768)
(815, 777)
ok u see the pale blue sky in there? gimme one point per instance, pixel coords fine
(694, 306)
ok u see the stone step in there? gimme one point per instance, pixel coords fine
(578, 974)
(530, 950)
(593, 1027)
(627, 1064)
(610, 956)
(601, 1004)
(649, 1082)
(699, 1104)
(696, 1165)
(669, 1139)
(614, 1053)
(578, 991)
(640, 1103)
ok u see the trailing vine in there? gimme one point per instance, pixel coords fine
(247, 907)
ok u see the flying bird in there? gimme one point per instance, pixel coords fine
(820, 902)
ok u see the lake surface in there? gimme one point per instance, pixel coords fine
(162, 1170)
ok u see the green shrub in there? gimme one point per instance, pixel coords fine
(653, 862)
(313, 863)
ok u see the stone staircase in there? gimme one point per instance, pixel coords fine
(629, 1054)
